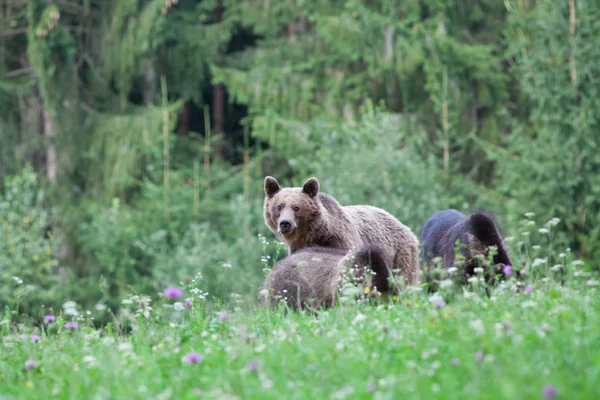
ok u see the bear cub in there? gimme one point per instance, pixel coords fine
(476, 233)
(303, 217)
(311, 277)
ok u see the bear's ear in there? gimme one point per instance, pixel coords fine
(271, 186)
(311, 187)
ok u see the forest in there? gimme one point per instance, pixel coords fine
(135, 135)
(135, 141)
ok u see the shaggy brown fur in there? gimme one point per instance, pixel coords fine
(312, 276)
(303, 217)
(476, 233)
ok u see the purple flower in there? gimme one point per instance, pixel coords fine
(193, 358)
(439, 303)
(49, 318)
(455, 361)
(223, 316)
(371, 388)
(252, 366)
(506, 326)
(71, 325)
(30, 364)
(188, 303)
(35, 338)
(507, 270)
(550, 392)
(479, 356)
(528, 289)
(173, 293)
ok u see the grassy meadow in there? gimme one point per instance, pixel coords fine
(533, 339)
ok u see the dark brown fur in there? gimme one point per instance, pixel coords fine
(311, 276)
(476, 233)
(317, 219)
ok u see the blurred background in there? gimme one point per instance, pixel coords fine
(135, 134)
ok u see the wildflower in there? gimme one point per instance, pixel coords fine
(71, 325)
(528, 289)
(371, 388)
(252, 366)
(193, 358)
(553, 222)
(439, 303)
(529, 214)
(478, 270)
(452, 270)
(30, 364)
(538, 261)
(367, 290)
(543, 230)
(187, 304)
(591, 282)
(173, 293)
(223, 316)
(507, 270)
(455, 361)
(562, 255)
(549, 392)
(49, 318)
(18, 280)
(479, 356)
(446, 283)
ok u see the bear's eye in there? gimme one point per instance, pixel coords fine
(279, 207)
(296, 208)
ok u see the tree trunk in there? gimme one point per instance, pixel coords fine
(51, 160)
(218, 109)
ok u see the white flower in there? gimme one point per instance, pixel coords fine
(473, 279)
(562, 255)
(538, 261)
(478, 270)
(452, 270)
(446, 283)
(553, 222)
(556, 267)
(18, 280)
(577, 262)
(359, 318)
(478, 327)
(529, 214)
(525, 233)
(543, 230)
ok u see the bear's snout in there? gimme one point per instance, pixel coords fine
(285, 226)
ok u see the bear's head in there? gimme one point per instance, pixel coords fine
(292, 213)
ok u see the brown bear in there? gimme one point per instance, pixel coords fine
(475, 234)
(313, 276)
(302, 217)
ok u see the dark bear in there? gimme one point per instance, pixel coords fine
(303, 217)
(475, 233)
(311, 277)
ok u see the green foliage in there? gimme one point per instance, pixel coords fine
(30, 278)
(552, 163)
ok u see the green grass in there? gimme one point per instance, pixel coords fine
(401, 350)
(498, 342)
